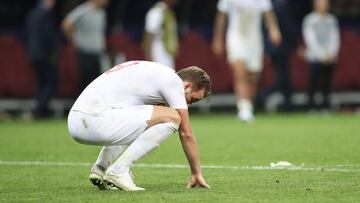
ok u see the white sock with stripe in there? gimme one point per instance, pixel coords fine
(149, 140)
(109, 154)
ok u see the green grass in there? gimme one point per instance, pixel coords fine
(330, 142)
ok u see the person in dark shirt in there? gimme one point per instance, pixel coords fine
(280, 56)
(41, 45)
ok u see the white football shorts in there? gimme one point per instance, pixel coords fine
(114, 127)
(247, 49)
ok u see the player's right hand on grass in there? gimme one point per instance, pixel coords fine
(197, 180)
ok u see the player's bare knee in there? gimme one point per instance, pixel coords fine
(164, 115)
(174, 117)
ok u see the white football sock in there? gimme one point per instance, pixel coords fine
(109, 154)
(244, 105)
(149, 140)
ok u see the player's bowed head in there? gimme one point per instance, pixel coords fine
(197, 84)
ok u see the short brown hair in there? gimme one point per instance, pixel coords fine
(198, 77)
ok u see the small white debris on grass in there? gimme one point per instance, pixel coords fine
(281, 164)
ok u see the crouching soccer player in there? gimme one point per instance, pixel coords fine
(130, 110)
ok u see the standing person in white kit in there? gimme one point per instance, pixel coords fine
(160, 41)
(130, 110)
(244, 45)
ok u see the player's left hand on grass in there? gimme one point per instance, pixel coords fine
(197, 181)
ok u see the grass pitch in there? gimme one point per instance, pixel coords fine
(39, 162)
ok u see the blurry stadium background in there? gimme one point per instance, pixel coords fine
(40, 162)
(195, 20)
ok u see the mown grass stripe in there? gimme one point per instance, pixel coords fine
(327, 168)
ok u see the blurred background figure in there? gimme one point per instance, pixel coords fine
(244, 45)
(280, 56)
(322, 39)
(125, 37)
(85, 28)
(42, 50)
(160, 41)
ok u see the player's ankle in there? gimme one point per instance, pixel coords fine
(117, 171)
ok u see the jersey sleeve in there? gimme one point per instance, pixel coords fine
(76, 14)
(334, 45)
(223, 6)
(154, 20)
(174, 94)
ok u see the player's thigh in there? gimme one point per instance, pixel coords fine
(236, 48)
(84, 128)
(162, 114)
(238, 65)
(138, 119)
(113, 127)
(122, 126)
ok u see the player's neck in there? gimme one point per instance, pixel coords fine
(321, 13)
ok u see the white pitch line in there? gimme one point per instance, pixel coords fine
(175, 166)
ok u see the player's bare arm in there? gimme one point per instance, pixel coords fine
(68, 28)
(190, 147)
(218, 46)
(273, 28)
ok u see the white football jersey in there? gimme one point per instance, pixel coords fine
(133, 83)
(154, 24)
(244, 15)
